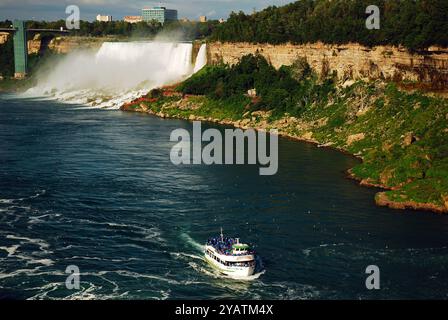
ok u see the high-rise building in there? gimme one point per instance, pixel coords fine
(202, 19)
(159, 14)
(102, 18)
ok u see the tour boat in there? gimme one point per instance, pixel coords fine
(230, 256)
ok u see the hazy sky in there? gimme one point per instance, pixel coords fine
(55, 9)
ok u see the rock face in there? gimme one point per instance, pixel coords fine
(59, 44)
(383, 201)
(445, 201)
(3, 37)
(67, 44)
(355, 138)
(34, 45)
(350, 61)
(64, 45)
(409, 139)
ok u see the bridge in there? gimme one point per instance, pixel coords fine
(21, 45)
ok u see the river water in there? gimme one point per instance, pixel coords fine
(96, 189)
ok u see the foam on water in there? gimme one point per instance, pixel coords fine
(196, 245)
(149, 233)
(11, 201)
(11, 250)
(43, 245)
(183, 255)
(7, 201)
(119, 72)
(39, 257)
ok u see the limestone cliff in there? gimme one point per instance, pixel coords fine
(3, 37)
(349, 61)
(63, 45)
(67, 44)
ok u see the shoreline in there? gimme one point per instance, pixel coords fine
(381, 198)
(14, 85)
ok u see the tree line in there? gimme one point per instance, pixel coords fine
(188, 30)
(289, 89)
(415, 24)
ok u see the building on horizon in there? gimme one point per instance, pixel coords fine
(102, 18)
(159, 14)
(202, 19)
(133, 19)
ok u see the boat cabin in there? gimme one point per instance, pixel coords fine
(240, 248)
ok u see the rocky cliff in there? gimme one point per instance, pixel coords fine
(68, 44)
(3, 37)
(63, 45)
(350, 61)
(428, 68)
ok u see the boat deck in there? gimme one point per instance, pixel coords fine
(224, 246)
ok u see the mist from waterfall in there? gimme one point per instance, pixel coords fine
(118, 72)
(201, 59)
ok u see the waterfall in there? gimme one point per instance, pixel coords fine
(118, 72)
(201, 59)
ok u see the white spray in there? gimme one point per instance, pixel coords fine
(118, 72)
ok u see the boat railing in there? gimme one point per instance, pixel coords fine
(225, 247)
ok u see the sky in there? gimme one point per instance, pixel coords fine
(191, 9)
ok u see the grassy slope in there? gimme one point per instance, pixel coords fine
(402, 137)
(405, 146)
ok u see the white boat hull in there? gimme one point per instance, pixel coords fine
(233, 271)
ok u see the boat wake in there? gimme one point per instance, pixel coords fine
(194, 244)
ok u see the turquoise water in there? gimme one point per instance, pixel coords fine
(96, 189)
